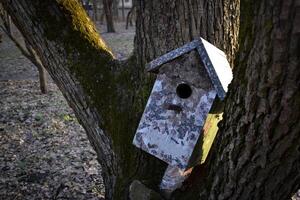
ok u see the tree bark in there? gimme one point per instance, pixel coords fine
(107, 5)
(173, 23)
(257, 152)
(258, 147)
(107, 96)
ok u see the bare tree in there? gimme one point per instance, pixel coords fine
(123, 10)
(130, 16)
(95, 10)
(26, 50)
(107, 5)
(115, 8)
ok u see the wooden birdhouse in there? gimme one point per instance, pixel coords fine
(189, 79)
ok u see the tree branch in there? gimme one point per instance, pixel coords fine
(106, 95)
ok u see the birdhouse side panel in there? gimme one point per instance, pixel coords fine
(171, 135)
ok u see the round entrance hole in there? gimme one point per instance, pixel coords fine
(183, 90)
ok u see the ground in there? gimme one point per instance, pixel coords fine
(44, 152)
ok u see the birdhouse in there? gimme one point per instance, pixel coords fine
(189, 79)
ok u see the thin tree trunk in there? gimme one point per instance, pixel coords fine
(43, 79)
(107, 5)
(95, 10)
(129, 17)
(42, 71)
(8, 22)
(115, 9)
(123, 11)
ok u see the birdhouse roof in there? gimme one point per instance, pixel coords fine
(213, 59)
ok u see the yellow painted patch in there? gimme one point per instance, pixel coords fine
(210, 131)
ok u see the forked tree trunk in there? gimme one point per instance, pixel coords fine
(258, 147)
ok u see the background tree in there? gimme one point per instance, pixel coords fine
(108, 10)
(130, 15)
(95, 10)
(257, 148)
(123, 10)
(115, 8)
(25, 49)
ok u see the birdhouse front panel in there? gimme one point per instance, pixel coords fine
(176, 111)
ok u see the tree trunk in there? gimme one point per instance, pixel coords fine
(115, 9)
(249, 159)
(95, 10)
(42, 71)
(100, 90)
(174, 23)
(130, 16)
(107, 5)
(257, 152)
(43, 79)
(123, 11)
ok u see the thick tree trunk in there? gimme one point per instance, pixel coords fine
(107, 97)
(165, 25)
(257, 153)
(107, 5)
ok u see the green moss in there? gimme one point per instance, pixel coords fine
(119, 91)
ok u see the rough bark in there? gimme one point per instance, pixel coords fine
(107, 5)
(107, 97)
(256, 155)
(165, 25)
